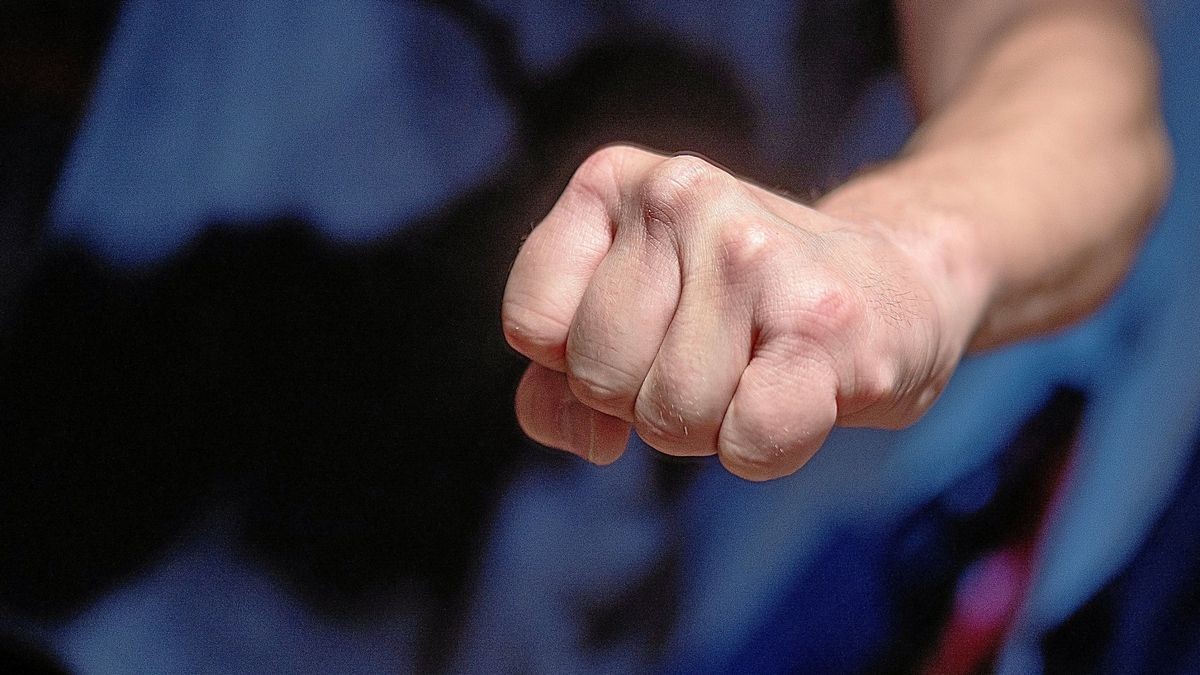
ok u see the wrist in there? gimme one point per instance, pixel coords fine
(943, 245)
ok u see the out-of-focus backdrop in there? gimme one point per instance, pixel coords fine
(255, 407)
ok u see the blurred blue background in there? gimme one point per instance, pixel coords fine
(255, 408)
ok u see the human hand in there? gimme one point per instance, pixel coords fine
(716, 317)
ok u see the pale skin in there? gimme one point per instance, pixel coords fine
(665, 295)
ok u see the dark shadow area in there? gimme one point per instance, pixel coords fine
(353, 402)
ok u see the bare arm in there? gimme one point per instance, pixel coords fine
(1042, 155)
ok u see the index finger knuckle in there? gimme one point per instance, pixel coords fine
(678, 185)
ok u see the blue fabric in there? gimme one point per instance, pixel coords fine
(1138, 439)
(345, 114)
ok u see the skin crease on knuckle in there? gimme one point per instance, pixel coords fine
(599, 176)
(534, 332)
(668, 413)
(781, 414)
(665, 430)
(601, 384)
(671, 192)
(768, 449)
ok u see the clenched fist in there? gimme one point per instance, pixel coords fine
(716, 317)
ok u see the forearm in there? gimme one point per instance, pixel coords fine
(1028, 188)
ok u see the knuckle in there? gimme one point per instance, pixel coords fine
(677, 182)
(598, 174)
(601, 385)
(743, 244)
(887, 399)
(661, 425)
(661, 435)
(536, 333)
(752, 461)
(878, 384)
(777, 433)
(821, 320)
(832, 309)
